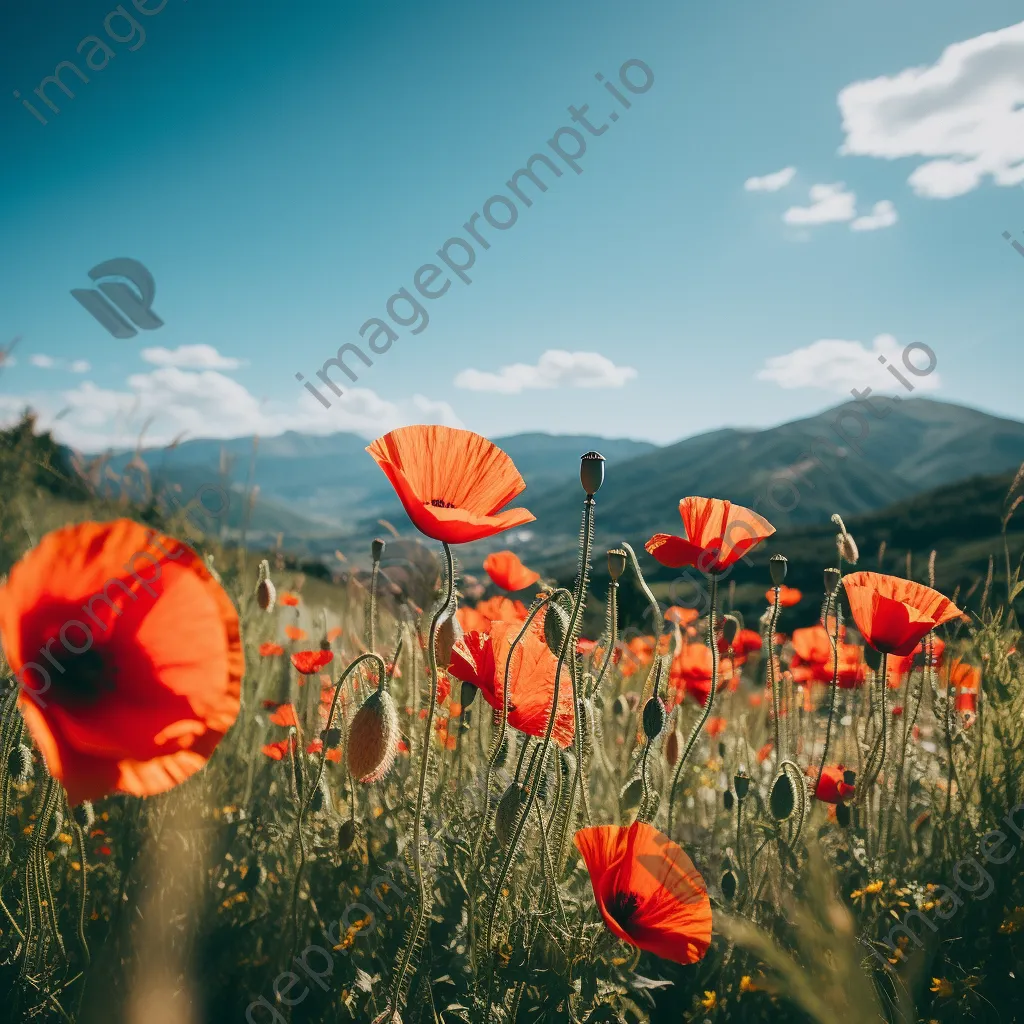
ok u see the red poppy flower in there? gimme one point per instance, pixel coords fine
(310, 662)
(718, 533)
(502, 609)
(452, 483)
(270, 650)
(765, 752)
(278, 750)
(788, 596)
(648, 891)
(830, 788)
(284, 715)
(289, 599)
(690, 672)
(104, 851)
(470, 619)
(294, 633)
(333, 633)
(333, 753)
(745, 642)
(508, 572)
(715, 726)
(93, 622)
(681, 616)
(965, 679)
(893, 614)
(853, 670)
(480, 659)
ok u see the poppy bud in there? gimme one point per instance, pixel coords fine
(556, 623)
(782, 799)
(19, 763)
(331, 737)
(654, 718)
(832, 577)
(630, 794)
(373, 738)
(742, 783)
(620, 709)
(84, 814)
(777, 566)
(847, 547)
(449, 632)
(504, 750)
(721, 749)
(266, 594)
(592, 472)
(317, 802)
(672, 748)
(508, 812)
(842, 814)
(376, 549)
(730, 627)
(616, 563)
(849, 776)
(727, 799)
(346, 834)
(468, 694)
(728, 885)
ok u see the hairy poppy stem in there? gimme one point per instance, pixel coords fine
(706, 712)
(831, 601)
(771, 671)
(83, 892)
(417, 854)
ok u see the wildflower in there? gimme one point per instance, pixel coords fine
(501, 609)
(745, 642)
(480, 659)
(278, 750)
(451, 482)
(894, 614)
(647, 890)
(291, 600)
(747, 984)
(966, 681)
(333, 753)
(690, 672)
(788, 596)
(333, 633)
(270, 650)
(718, 533)
(131, 707)
(765, 752)
(942, 988)
(710, 1000)
(294, 633)
(508, 572)
(715, 726)
(284, 715)
(681, 616)
(310, 662)
(831, 787)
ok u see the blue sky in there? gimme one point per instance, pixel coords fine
(283, 172)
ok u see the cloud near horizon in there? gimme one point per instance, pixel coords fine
(191, 357)
(555, 369)
(770, 182)
(837, 366)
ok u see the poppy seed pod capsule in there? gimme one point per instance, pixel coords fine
(19, 763)
(782, 799)
(741, 782)
(468, 694)
(721, 749)
(266, 594)
(373, 738)
(842, 814)
(84, 814)
(727, 799)
(654, 718)
(730, 627)
(832, 578)
(346, 834)
(331, 737)
(729, 885)
(507, 812)
(673, 748)
(592, 472)
(620, 709)
(849, 776)
(376, 549)
(616, 563)
(777, 566)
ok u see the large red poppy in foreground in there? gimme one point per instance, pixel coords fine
(648, 891)
(718, 533)
(894, 614)
(128, 654)
(453, 483)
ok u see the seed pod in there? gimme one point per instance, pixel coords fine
(556, 624)
(377, 548)
(782, 799)
(449, 632)
(777, 566)
(842, 814)
(721, 749)
(468, 694)
(320, 795)
(730, 627)
(85, 814)
(849, 776)
(654, 718)
(373, 738)
(19, 763)
(631, 792)
(832, 578)
(346, 834)
(729, 885)
(673, 748)
(331, 737)
(266, 594)
(742, 783)
(847, 547)
(507, 812)
(616, 563)
(727, 799)
(592, 472)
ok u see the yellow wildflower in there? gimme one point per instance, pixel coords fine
(710, 1000)
(942, 988)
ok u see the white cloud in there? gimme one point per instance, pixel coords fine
(169, 402)
(554, 369)
(883, 215)
(191, 357)
(829, 203)
(770, 182)
(964, 114)
(837, 366)
(43, 362)
(79, 366)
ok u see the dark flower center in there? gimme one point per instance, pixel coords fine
(441, 503)
(84, 679)
(622, 906)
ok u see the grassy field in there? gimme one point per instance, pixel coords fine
(275, 885)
